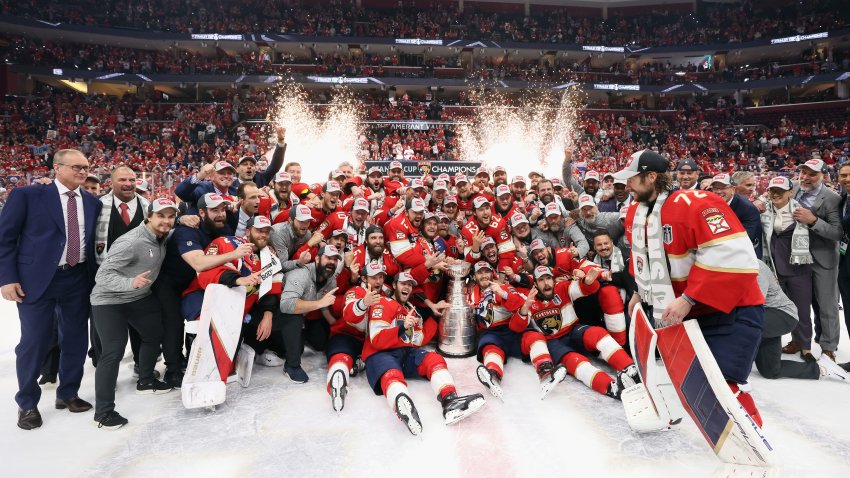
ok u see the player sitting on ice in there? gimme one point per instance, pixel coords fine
(549, 310)
(347, 335)
(564, 266)
(494, 305)
(393, 351)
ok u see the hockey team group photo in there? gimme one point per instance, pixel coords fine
(369, 238)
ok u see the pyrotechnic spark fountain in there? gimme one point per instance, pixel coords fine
(529, 136)
(318, 138)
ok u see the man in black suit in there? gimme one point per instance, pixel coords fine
(46, 263)
(844, 260)
(747, 213)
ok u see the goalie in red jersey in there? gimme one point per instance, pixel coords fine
(393, 351)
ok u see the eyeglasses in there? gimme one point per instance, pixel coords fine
(76, 167)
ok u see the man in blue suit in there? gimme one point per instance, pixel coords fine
(47, 264)
(747, 213)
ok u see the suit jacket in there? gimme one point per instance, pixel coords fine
(750, 218)
(827, 231)
(32, 238)
(845, 225)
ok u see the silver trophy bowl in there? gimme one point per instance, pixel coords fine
(457, 327)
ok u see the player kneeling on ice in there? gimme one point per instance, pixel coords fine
(549, 310)
(347, 335)
(260, 273)
(494, 305)
(392, 351)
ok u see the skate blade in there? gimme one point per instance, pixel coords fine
(338, 391)
(486, 380)
(455, 416)
(558, 376)
(404, 409)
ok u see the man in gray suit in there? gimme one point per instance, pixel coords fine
(819, 212)
(589, 220)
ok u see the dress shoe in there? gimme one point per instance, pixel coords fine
(830, 354)
(845, 366)
(74, 405)
(29, 419)
(807, 356)
(791, 348)
(47, 378)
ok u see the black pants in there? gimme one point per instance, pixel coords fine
(275, 340)
(769, 355)
(51, 363)
(291, 326)
(169, 295)
(316, 333)
(112, 323)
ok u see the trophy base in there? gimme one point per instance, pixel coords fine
(448, 354)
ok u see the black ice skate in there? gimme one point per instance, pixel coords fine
(614, 390)
(550, 375)
(491, 380)
(457, 408)
(406, 412)
(628, 377)
(339, 388)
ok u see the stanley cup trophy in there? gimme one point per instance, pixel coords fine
(457, 328)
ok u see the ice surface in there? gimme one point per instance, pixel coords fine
(278, 428)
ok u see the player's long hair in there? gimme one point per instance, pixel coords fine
(663, 183)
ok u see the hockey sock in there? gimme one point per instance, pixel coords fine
(596, 338)
(579, 367)
(433, 367)
(534, 345)
(342, 362)
(494, 359)
(612, 311)
(746, 401)
(393, 384)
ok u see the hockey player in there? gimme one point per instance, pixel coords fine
(492, 226)
(393, 351)
(494, 305)
(353, 223)
(347, 335)
(692, 259)
(504, 207)
(402, 232)
(549, 310)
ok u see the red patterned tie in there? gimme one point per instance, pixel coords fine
(73, 230)
(124, 214)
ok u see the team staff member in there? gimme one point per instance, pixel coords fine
(46, 247)
(121, 299)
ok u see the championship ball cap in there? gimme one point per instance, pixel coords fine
(445, 177)
(417, 205)
(440, 185)
(360, 204)
(518, 219)
(780, 182)
(441, 216)
(338, 232)
(142, 185)
(405, 277)
(641, 162)
(500, 169)
(222, 165)
(482, 265)
(211, 200)
(620, 181)
(301, 213)
(517, 180)
(450, 199)
(815, 164)
(687, 164)
(247, 158)
(374, 170)
(591, 175)
(607, 175)
(428, 216)
(552, 209)
(331, 187)
(541, 271)
(502, 190)
(283, 177)
(416, 183)
(482, 171)
(479, 201)
(337, 173)
(460, 178)
(722, 178)
(159, 204)
(585, 200)
(557, 184)
(488, 241)
(623, 211)
(396, 165)
(373, 268)
(532, 174)
(329, 250)
(259, 222)
(537, 244)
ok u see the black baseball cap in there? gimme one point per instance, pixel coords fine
(642, 162)
(687, 164)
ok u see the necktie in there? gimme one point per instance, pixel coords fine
(125, 216)
(73, 231)
(619, 206)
